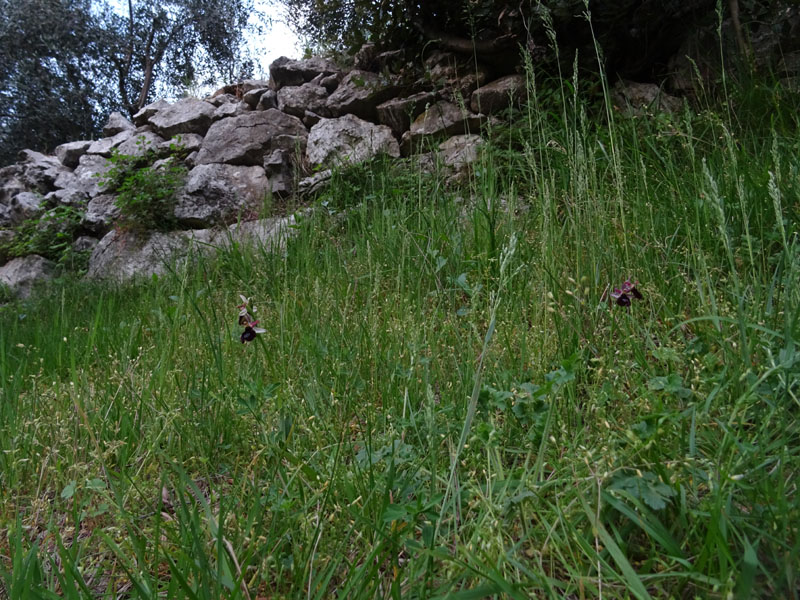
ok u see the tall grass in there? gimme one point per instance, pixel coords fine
(446, 402)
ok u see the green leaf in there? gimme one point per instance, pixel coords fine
(672, 384)
(69, 490)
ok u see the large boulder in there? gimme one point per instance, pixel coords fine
(349, 139)
(443, 119)
(141, 143)
(23, 274)
(117, 123)
(246, 139)
(285, 71)
(230, 109)
(70, 153)
(296, 100)
(639, 99)
(122, 255)
(87, 176)
(398, 113)
(144, 115)
(104, 146)
(359, 93)
(216, 193)
(22, 206)
(101, 214)
(497, 95)
(188, 115)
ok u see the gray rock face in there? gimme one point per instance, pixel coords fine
(123, 256)
(443, 119)
(268, 99)
(216, 194)
(246, 139)
(24, 205)
(140, 144)
(285, 71)
(104, 146)
(350, 139)
(117, 123)
(296, 100)
(101, 214)
(252, 97)
(229, 109)
(398, 113)
(143, 116)
(309, 186)
(359, 93)
(498, 94)
(188, 115)
(279, 168)
(23, 274)
(460, 150)
(87, 175)
(84, 243)
(189, 142)
(70, 153)
(67, 197)
(642, 98)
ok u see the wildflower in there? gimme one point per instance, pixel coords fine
(244, 316)
(622, 295)
(250, 332)
(249, 322)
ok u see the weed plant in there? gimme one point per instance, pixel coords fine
(447, 400)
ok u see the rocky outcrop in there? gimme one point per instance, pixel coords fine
(246, 139)
(441, 120)
(23, 274)
(285, 71)
(497, 95)
(189, 115)
(216, 193)
(349, 139)
(359, 94)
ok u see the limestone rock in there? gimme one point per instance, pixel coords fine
(230, 109)
(188, 115)
(279, 168)
(216, 193)
(252, 97)
(246, 139)
(70, 153)
(143, 116)
(69, 196)
(309, 186)
(498, 94)
(24, 273)
(397, 113)
(123, 255)
(296, 100)
(84, 243)
(117, 123)
(642, 98)
(285, 71)
(140, 144)
(101, 214)
(22, 206)
(87, 176)
(187, 142)
(268, 99)
(349, 138)
(104, 146)
(460, 150)
(443, 119)
(359, 93)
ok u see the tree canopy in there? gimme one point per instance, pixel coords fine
(66, 64)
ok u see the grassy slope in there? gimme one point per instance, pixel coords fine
(443, 403)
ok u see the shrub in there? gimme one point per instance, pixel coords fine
(146, 191)
(49, 235)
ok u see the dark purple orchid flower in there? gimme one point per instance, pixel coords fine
(622, 295)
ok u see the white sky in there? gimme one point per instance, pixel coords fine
(276, 40)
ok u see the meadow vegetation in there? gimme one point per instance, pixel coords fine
(447, 401)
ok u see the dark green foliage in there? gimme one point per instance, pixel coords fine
(146, 194)
(66, 64)
(50, 235)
